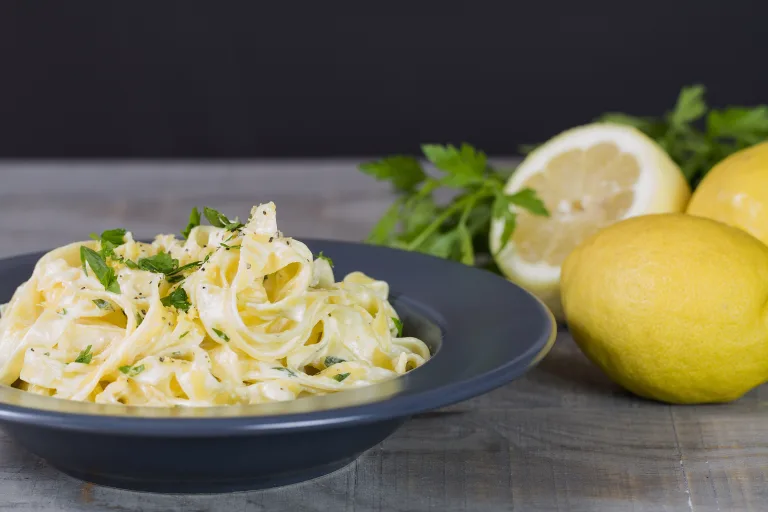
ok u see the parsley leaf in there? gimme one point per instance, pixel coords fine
(340, 377)
(501, 210)
(228, 247)
(104, 273)
(103, 304)
(322, 256)
(332, 360)
(85, 356)
(458, 229)
(404, 172)
(131, 371)
(398, 326)
(748, 126)
(186, 267)
(185, 333)
(528, 199)
(160, 263)
(382, 231)
(114, 236)
(178, 299)
(463, 166)
(219, 220)
(690, 106)
(220, 334)
(194, 221)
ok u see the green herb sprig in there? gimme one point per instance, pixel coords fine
(332, 360)
(219, 220)
(103, 304)
(221, 334)
(131, 371)
(110, 239)
(85, 356)
(457, 230)
(178, 299)
(322, 256)
(98, 263)
(398, 325)
(194, 221)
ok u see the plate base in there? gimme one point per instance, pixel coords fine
(209, 486)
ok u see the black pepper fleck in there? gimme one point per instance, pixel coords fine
(264, 212)
(248, 266)
(162, 359)
(271, 238)
(144, 311)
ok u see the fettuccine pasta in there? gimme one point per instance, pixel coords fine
(234, 314)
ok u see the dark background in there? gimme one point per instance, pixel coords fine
(240, 79)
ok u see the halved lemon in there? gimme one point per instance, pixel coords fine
(588, 177)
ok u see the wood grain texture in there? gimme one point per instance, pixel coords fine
(563, 438)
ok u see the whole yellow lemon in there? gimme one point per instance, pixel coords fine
(672, 307)
(735, 191)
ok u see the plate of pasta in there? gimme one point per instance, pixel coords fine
(236, 357)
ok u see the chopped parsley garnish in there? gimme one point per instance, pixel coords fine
(398, 325)
(228, 247)
(286, 370)
(110, 239)
(163, 263)
(178, 299)
(85, 355)
(160, 263)
(219, 220)
(139, 319)
(220, 334)
(186, 267)
(331, 360)
(114, 236)
(63, 311)
(131, 371)
(322, 256)
(194, 221)
(104, 273)
(340, 377)
(103, 304)
(183, 334)
(130, 264)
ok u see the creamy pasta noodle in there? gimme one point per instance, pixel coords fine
(234, 314)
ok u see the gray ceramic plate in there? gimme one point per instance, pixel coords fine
(483, 332)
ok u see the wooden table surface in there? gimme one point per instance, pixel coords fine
(561, 438)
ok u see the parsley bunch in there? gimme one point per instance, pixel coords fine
(697, 137)
(457, 230)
